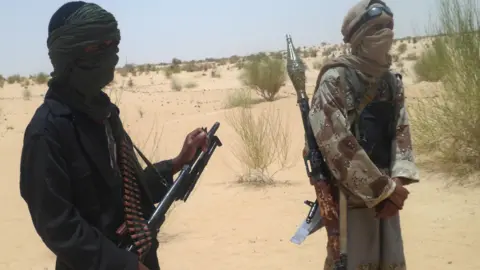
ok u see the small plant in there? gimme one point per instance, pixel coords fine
(168, 73)
(192, 67)
(41, 78)
(26, 93)
(239, 98)
(191, 85)
(402, 48)
(122, 71)
(434, 63)
(215, 73)
(170, 70)
(317, 65)
(395, 58)
(176, 84)
(266, 75)
(130, 68)
(233, 59)
(14, 79)
(264, 141)
(130, 82)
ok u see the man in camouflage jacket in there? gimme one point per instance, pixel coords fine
(359, 118)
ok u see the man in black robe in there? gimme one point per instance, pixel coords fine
(79, 175)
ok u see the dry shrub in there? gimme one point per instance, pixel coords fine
(15, 79)
(215, 73)
(264, 74)
(263, 144)
(122, 71)
(191, 85)
(172, 69)
(168, 73)
(239, 98)
(433, 63)
(176, 84)
(395, 58)
(449, 123)
(41, 78)
(26, 93)
(402, 48)
(130, 82)
(140, 112)
(317, 65)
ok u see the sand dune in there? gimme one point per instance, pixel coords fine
(225, 225)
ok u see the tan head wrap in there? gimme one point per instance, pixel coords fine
(370, 44)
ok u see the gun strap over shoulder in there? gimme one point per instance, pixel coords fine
(149, 164)
(362, 97)
(357, 94)
(355, 89)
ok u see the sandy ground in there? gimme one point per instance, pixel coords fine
(225, 225)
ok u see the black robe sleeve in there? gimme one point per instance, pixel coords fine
(155, 186)
(47, 190)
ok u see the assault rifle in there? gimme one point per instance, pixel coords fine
(325, 210)
(184, 184)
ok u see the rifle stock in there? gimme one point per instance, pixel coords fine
(183, 185)
(316, 167)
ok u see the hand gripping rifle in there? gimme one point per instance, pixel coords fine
(184, 184)
(317, 169)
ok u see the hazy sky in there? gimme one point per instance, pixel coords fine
(156, 31)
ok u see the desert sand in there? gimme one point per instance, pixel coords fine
(226, 225)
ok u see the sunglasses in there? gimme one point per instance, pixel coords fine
(101, 46)
(371, 13)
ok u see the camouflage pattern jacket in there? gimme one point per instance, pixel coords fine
(332, 114)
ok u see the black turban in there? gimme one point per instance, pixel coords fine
(82, 45)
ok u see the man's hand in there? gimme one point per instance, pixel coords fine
(194, 140)
(390, 206)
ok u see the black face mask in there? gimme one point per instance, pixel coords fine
(80, 82)
(90, 76)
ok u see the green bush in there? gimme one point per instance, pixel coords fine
(14, 79)
(402, 48)
(434, 62)
(263, 143)
(41, 78)
(449, 122)
(264, 74)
